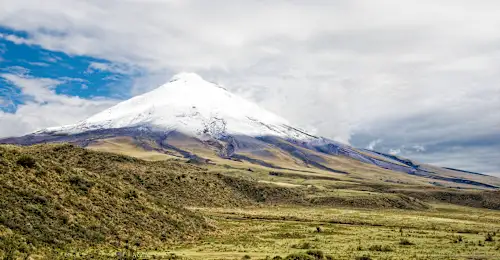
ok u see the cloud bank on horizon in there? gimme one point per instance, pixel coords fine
(418, 79)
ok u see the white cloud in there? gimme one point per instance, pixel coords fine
(16, 39)
(419, 148)
(46, 108)
(69, 79)
(408, 72)
(40, 64)
(373, 144)
(16, 70)
(112, 67)
(49, 57)
(3, 102)
(3, 50)
(394, 151)
(40, 89)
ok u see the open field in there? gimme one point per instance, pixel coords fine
(441, 232)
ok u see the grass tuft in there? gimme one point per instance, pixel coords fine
(380, 248)
(406, 242)
(26, 161)
(489, 237)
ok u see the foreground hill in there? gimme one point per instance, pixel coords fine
(60, 195)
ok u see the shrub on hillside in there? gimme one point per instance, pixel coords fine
(132, 194)
(305, 245)
(299, 256)
(26, 161)
(317, 254)
(308, 255)
(81, 183)
(14, 246)
(406, 242)
(380, 248)
(489, 238)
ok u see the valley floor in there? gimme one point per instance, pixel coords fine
(443, 232)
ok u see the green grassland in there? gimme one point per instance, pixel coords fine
(66, 202)
(442, 232)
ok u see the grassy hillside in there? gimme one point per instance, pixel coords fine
(60, 195)
(62, 198)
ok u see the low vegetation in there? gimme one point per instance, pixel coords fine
(279, 232)
(56, 196)
(61, 201)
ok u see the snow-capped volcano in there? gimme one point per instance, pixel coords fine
(193, 118)
(190, 105)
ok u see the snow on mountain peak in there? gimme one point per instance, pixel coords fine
(191, 105)
(186, 76)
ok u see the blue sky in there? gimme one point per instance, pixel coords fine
(413, 78)
(79, 75)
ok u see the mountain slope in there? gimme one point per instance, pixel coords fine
(192, 118)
